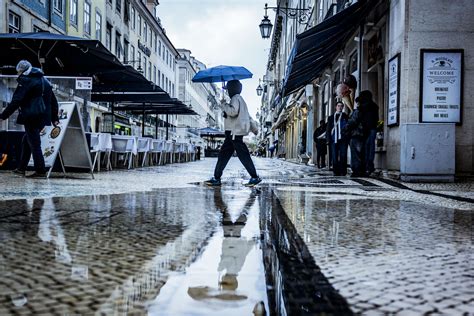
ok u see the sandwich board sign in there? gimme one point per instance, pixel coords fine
(66, 141)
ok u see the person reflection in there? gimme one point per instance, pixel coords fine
(234, 252)
(50, 230)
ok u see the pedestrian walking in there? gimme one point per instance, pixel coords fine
(372, 121)
(357, 130)
(321, 146)
(38, 107)
(337, 143)
(237, 124)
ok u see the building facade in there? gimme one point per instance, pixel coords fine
(387, 49)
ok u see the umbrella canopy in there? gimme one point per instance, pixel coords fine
(208, 131)
(57, 54)
(222, 74)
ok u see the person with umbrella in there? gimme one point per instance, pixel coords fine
(38, 107)
(237, 125)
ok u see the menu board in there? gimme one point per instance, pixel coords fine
(441, 86)
(393, 91)
(66, 139)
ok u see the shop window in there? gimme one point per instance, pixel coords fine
(14, 23)
(353, 63)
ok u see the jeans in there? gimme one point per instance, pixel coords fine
(358, 156)
(339, 158)
(370, 151)
(226, 152)
(31, 144)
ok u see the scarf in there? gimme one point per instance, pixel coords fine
(337, 126)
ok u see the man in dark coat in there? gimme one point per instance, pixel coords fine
(321, 146)
(372, 121)
(337, 143)
(357, 129)
(32, 90)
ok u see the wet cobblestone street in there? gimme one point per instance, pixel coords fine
(157, 241)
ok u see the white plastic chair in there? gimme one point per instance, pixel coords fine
(144, 147)
(125, 145)
(157, 148)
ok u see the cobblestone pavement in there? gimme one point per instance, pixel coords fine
(155, 240)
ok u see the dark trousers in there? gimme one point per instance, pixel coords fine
(370, 151)
(226, 152)
(31, 145)
(321, 150)
(358, 156)
(339, 158)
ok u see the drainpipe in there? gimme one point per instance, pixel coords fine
(361, 46)
(50, 12)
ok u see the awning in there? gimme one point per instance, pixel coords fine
(124, 80)
(59, 55)
(173, 106)
(315, 48)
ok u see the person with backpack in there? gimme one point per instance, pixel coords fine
(38, 107)
(237, 123)
(357, 129)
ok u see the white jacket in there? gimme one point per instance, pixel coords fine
(238, 118)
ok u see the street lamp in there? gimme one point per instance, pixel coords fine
(259, 89)
(266, 26)
(290, 13)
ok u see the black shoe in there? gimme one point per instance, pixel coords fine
(19, 172)
(38, 175)
(213, 182)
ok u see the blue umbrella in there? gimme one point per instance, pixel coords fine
(222, 74)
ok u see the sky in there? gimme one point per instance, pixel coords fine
(221, 32)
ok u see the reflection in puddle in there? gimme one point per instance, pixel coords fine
(229, 276)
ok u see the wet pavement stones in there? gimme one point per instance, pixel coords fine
(331, 245)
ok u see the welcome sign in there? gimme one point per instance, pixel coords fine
(441, 86)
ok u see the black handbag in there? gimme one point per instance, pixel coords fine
(36, 108)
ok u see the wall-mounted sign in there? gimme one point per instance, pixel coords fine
(393, 112)
(83, 83)
(441, 86)
(144, 49)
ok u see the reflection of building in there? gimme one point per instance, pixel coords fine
(365, 43)
(203, 98)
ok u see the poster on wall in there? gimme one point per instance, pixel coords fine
(393, 112)
(441, 86)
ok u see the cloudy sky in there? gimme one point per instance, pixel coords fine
(221, 32)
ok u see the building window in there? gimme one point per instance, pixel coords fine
(162, 80)
(145, 31)
(73, 12)
(149, 70)
(118, 5)
(14, 23)
(132, 54)
(353, 63)
(139, 59)
(126, 12)
(134, 20)
(98, 26)
(125, 49)
(139, 25)
(37, 29)
(108, 37)
(58, 6)
(156, 43)
(144, 67)
(87, 18)
(154, 74)
(159, 48)
(118, 44)
(159, 76)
